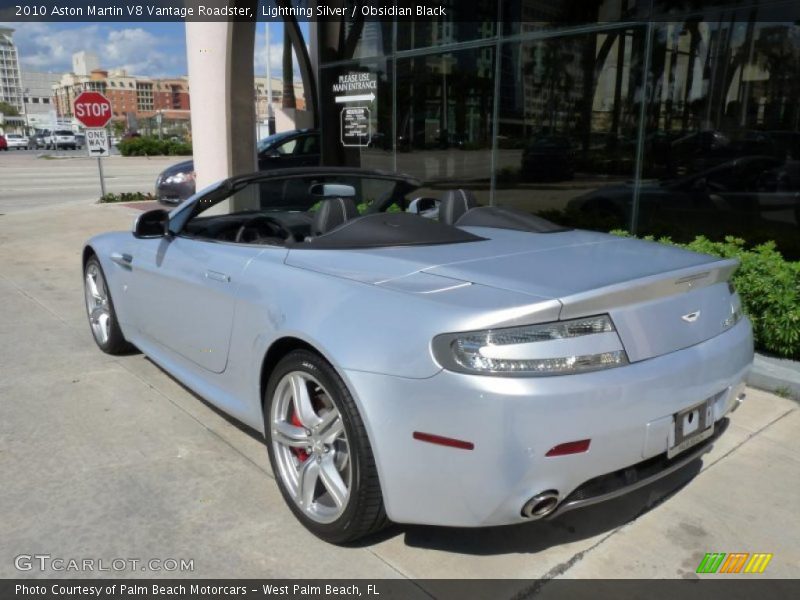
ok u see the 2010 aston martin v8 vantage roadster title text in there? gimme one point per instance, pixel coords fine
(424, 359)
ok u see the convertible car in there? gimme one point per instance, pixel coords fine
(464, 366)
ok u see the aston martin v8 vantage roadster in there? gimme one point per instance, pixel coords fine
(460, 365)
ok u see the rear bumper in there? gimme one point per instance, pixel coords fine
(624, 481)
(627, 413)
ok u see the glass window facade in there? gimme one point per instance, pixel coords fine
(653, 116)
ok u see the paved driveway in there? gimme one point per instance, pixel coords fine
(107, 457)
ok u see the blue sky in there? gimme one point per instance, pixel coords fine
(147, 49)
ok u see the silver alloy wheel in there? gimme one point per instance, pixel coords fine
(97, 304)
(310, 447)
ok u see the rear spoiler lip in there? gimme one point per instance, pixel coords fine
(650, 287)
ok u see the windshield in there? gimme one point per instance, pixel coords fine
(63, 132)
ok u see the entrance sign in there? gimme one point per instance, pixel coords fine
(97, 142)
(356, 86)
(356, 120)
(356, 129)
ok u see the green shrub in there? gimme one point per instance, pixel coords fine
(125, 197)
(152, 146)
(178, 148)
(769, 287)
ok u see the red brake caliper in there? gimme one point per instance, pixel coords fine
(301, 454)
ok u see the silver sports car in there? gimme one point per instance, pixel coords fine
(482, 367)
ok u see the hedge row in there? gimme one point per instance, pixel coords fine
(152, 146)
(769, 286)
(125, 197)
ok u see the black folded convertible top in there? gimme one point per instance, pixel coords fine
(388, 229)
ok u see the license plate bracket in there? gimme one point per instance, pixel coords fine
(692, 426)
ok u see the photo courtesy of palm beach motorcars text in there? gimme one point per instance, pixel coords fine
(182, 590)
(459, 299)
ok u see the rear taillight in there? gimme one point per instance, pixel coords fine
(736, 313)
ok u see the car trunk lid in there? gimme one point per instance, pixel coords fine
(661, 298)
(647, 288)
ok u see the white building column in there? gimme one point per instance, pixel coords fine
(220, 58)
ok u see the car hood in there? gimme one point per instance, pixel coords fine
(548, 266)
(185, 166)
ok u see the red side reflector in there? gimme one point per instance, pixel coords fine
(443, 441)
(569, 448)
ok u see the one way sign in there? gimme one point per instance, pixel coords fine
(97, 142)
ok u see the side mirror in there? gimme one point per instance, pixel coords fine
(332, 190)
(151, 224)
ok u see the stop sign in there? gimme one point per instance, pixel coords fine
(92, 109)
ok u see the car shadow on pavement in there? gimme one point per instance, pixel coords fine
(246, 429)
(530, 538)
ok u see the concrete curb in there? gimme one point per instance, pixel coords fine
(776, 375)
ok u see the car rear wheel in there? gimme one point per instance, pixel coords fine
(100, 310)
(319, 451)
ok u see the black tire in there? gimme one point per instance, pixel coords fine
(364, 512)
(116, 343)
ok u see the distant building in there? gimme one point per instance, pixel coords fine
(133, 98)
(260, 84)
(83, 63)
(136, 100)
(10, 84)
(37, 89)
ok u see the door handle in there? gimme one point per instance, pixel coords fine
(217, 276)
(122, 259)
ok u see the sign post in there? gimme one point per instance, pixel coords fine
(93, 110)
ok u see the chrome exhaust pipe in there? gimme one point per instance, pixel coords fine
(738, 394)
(540, 505)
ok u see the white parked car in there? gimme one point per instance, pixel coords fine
(61, 138)
(17, 141)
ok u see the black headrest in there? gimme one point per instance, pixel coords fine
(332, 213)
(455, 203)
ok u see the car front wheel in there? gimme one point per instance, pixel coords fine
(100, 310)
(319, 451)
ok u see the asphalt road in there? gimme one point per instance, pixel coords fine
(39, 179)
